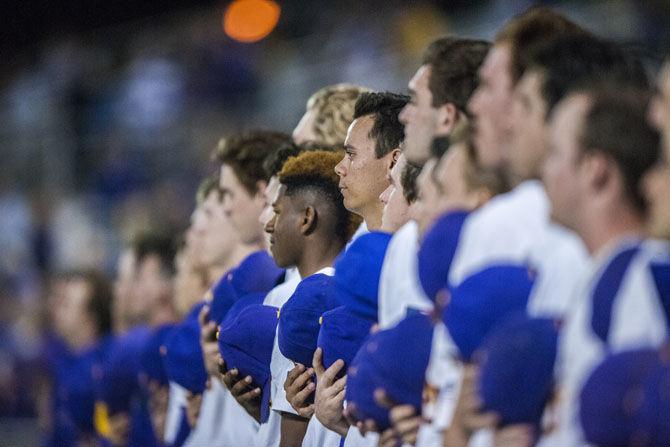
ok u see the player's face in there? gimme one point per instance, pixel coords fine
(72, 310)
(657, 192)
(195, 236)
(490, 106)
(241, 207)
(284, 230)
(428, 194)
(659, 112)
(151, 287)
(657, 180)
(123, 284)
(304, 131)
(188, 282)
(450, 173)
(362, 174)
(219, 237)
(419, 117)
(270, 196)
(563, 175)
(529, 128)
(396, 207)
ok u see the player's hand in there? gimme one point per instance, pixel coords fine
(519, 435)
(299, 387)
(405, 421)
(158, 406)
(193, 404)
(119, 429)
(242, 390)
(468, 416)
(329, 398)
(208, 342)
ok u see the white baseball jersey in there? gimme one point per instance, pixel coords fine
(618, 308)
(399, 286)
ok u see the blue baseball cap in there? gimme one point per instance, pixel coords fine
(240, 304)
(183, 358)
(118, 381)
(483, 300)
(246, 343)
(257, 273)
(357, 272)
(612, 397)
(151, 362)
(517, 368)
(394, 360)
(653, 421)
(437, 252)
(341, 335)
(299, 326)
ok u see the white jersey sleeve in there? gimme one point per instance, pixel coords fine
(399, 287)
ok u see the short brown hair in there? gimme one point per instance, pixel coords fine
(616, 126)
(454, 64)
(208, 185)
(245, 153)
(334, 106)
(528, 30)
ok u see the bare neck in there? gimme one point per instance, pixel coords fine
(373, 216)
(317, 255)
(604, 228)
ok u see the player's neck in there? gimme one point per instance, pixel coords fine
(606, 228)
(373, 216)
(318, 254)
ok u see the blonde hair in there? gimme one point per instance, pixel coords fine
(334, 107)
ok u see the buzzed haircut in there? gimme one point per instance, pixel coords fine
(387, 129)
(246, 153)
(334, 107)
(616, 125)
(570, 62)
(158, 244)
(454, 64)
(274, 163)
(526, 31)
(315, 171)
(208, 185)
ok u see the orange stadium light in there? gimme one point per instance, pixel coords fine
(250, 20)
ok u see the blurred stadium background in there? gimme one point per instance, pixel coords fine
(109, 111)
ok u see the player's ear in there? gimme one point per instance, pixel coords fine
(308, 221)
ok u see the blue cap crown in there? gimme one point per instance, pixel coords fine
(517, 369)
(437, 252)
(357, 273)
(299, 318)
(341, 336)
(246, 343)
(394, 360)
(483, 300)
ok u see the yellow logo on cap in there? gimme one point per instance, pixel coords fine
(101, 419)
(320, 320)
